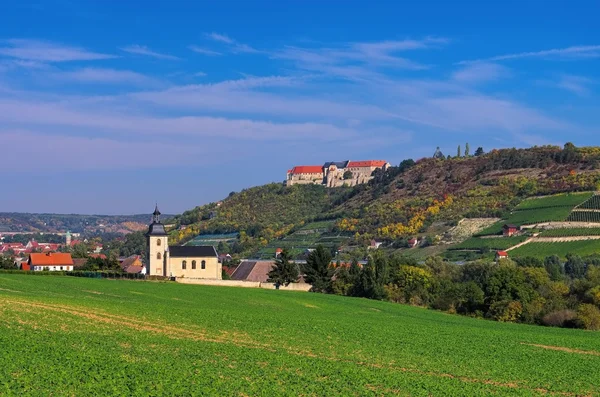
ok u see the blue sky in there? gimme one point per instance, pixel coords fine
(107, 107)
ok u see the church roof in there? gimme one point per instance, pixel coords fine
(198, 251)
(156, 229)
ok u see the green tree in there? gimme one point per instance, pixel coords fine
(285, 271)
(467, 149)
(479, 151)
(80, 251)
(575, 266)
(6, 262)
(318, 270)
(553, 267)
(348, 175)
(458, 152)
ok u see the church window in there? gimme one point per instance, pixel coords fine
(158, 255)
(158, 242)
(193, 265)
(184, 265)
(203, 264)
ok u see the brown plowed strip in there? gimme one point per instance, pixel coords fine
(241, 339)
(564, 349)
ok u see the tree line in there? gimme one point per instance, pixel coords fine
(550, 292)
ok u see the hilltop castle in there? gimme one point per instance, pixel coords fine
(334, 174)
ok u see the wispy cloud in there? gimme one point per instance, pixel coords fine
(233, 45)
(44, 51)
(480, 72)
(204, 51)
(143, 50)
(574, 52)
(101, 75)
(362, 60)
(200, 74)
(220, 37)
(575, 84)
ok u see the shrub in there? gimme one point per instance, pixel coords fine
(506, 311)
(588, 316)
(560, 318)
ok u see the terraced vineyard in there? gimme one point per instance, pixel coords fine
(71, 336)
(498, 243)
(558, 200)
(308, 236)
(543, 249)
(213, 239)
(575, 232)
(554, 208)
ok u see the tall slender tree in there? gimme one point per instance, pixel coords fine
(467, 149)
(285, 270)
(458, 152)
(318, 270)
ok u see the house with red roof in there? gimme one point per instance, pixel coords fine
(501, 255)
(50, 261)
(305, 175)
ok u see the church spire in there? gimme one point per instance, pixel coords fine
(156, 215)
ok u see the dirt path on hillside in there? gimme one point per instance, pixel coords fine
(553, 240)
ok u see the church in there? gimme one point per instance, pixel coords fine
(178, 260)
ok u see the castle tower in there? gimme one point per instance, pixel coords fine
(158, 247)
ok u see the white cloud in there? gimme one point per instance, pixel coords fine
(220, 37)
(574, 52)
(200, 74)
(203, 51)
(143, 50)
(480, 72)
(234, 46)
(44, 51)
(101, 75)
(575, 84)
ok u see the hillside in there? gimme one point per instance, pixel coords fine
(423, 199)
(60, 223)
(168, 341)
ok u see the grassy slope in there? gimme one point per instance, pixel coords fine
(68, 336)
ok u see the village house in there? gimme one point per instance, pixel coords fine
(413, 242)
(335, 173)
(501, 255)
(509, 230)
(179, 261)
(49, 261)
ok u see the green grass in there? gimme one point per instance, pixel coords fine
(583, 231)
(542, 250)
(558, 200)
(496, 243)
(70, 336)
(528, 217)
(318, 225)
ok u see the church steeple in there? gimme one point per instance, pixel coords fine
(156, 215)
(156, 228)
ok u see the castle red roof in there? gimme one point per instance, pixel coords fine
(307, 169)
(367, 163)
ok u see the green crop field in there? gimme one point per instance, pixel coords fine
(583, 231)
(497, 243)
(71, 336)
(542, 250)
(558, 200)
